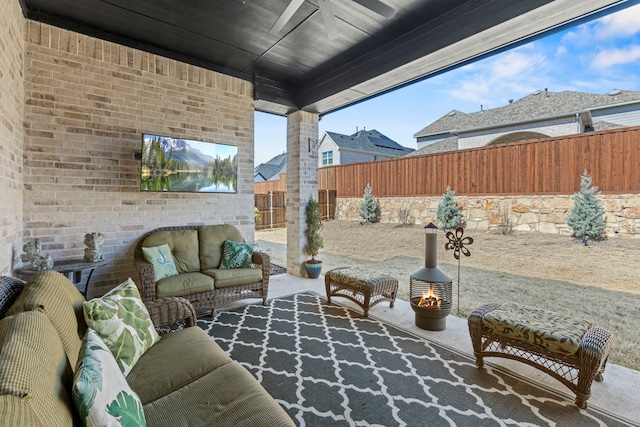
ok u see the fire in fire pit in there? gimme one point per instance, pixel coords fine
(429, 300)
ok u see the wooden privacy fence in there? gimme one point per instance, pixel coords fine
(273, 210)
(547, 166)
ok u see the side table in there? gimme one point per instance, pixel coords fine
(73, 269)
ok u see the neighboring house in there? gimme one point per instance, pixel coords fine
(362, 146)
(541, 114)
(270, 170)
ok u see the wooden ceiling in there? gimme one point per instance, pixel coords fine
(301, 67)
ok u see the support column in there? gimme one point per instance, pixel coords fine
(302, 183)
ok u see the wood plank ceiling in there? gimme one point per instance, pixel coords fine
(302, 66)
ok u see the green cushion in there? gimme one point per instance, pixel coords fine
(100, 391)
(157, 374)
(234, 277)
(354, 277)
(236, 254)
(184, 247)
(183, 284)
(61, 301)
(162, 260)
(212, 239)
(34, 368)
(122, 321)
(229, 396)
(18, 412)
(557, 333)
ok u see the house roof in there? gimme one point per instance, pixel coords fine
(441, 146)
(273, 168)
(537, 105)
(370, 141)
(285, 49)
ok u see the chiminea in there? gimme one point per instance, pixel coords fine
(430, 291)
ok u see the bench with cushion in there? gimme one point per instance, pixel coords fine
(571, 350)
(362, 286)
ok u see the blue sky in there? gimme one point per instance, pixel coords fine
(595, 57)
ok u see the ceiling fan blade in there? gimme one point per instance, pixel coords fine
(326, 10)
(286, 16)
(378, 7)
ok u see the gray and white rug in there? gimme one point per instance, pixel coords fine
(329, 366)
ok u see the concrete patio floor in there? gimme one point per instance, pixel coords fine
(618, 394)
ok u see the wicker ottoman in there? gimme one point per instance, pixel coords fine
(362, 286)
(571, 350)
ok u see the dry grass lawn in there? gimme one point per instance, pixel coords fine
(599, 282)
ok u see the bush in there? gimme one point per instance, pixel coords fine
(370, 207)
(312, 232)
(449, 213)
(586, 217)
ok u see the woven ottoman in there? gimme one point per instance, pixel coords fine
(364, 287)
(573, 351)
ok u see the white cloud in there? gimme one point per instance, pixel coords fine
(624, 23)
(561, 50)
(610, 57)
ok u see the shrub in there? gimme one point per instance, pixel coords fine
(449, 212)
(370, 207)
(586, 218)
(312, 232)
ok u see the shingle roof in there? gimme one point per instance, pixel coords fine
(272, 168)
(444, 145)
(536, 105)
(370, 141)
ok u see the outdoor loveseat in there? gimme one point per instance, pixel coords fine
(201, 278)
(183, 379)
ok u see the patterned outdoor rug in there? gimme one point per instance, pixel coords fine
(329, 366)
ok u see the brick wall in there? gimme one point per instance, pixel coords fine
(87, 104)
(12, 28)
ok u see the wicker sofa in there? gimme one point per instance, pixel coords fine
(198, 252)
(185, 379)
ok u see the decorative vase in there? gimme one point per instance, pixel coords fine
(313, 268)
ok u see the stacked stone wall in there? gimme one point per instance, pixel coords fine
(87, 104)
(545, 214)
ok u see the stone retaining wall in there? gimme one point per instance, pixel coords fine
(546, 214)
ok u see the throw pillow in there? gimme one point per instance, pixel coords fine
(121, 319)
(100, 392)
(162, 260)
(236, 254)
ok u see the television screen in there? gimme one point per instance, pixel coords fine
(185, 165)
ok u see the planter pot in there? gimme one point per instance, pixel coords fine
(313, 268)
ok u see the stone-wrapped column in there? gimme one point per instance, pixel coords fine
(302, 183)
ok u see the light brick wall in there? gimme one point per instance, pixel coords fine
(545, 214)
(12, 29)
(87, 103)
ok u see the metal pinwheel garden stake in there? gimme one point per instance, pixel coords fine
(457, 243)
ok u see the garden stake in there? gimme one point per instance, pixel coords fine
(456, 242)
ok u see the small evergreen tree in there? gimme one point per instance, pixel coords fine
(312, 232)
(449, 213)
(370, 207)
(586, 216)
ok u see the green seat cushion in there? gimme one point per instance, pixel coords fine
(225, 278)
(61, 301)
(121, 319)
(183, 284)
(17, 412)
(157, 374)
(227, 397)
(354, 277)
(556, 333)
(212, 239)
(34, 368)
(100, 391)
(183, 244)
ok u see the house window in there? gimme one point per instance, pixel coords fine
(327, 158)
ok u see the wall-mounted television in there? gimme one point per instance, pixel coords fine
(186, 165)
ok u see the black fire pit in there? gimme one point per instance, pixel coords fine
(433, 285)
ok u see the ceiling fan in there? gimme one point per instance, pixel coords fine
(326, 10)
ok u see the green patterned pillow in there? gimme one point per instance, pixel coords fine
(162, 260)
(122, 321)
(100, 391)
(236, 254)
